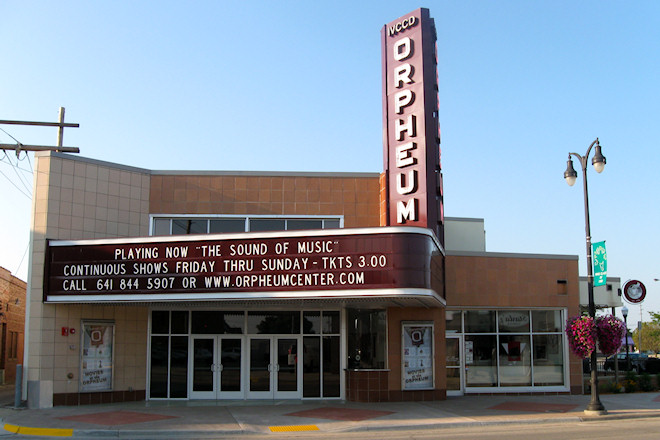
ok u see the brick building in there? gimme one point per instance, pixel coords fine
(12, 324)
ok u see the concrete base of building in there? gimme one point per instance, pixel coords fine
(40, 394)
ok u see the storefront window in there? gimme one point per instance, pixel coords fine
(453, 318)
(548, 360)
(315, 322)
(511, 348)
(159, 360)
(274, 323)
(212, 322)
(321, 372)
(180, 321)
(546, 320)
(160, 322)
(169, 354)
(515, 361)
(481, 360)
(480, 321)
(366, 338)
(311, 323)
(179, 367)
(513, 321)
(331, 366)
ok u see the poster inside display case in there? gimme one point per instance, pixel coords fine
(417, 356)
(96, 356)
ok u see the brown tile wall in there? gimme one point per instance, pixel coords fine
(75, 399)
(372, 386)
(383, 199)
(357, 198)
(492, 281)
(385, 385)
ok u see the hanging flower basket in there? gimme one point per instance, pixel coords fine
(581, 333)
(610, 332)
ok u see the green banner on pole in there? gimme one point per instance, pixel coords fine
(599, 255)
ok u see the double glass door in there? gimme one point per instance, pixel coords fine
(274, 367)
(216, 367)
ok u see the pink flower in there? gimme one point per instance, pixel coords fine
(610, 331)
(581, 333)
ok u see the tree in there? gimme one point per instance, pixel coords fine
(650, 334)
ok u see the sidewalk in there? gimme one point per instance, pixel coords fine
(203, 419)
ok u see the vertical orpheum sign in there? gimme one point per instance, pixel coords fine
(411, 135)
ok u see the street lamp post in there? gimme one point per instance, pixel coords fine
(598, 161)
(624, 312)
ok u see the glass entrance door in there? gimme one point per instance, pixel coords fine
(216, 368)
(274, 368)
(454, 363)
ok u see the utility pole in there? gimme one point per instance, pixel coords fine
(18, 147)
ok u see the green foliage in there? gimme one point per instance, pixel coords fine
(630, 382)
(650, 336)
(655, 317)
(611, 387)
(645, 383)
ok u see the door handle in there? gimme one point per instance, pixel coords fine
(212, 367)
(277, 367)
(220, 367)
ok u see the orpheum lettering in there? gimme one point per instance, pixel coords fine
(406, 130)
(410, 110)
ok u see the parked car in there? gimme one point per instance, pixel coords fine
(639, 362)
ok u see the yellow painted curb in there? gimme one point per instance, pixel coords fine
(293, 428)
(23, 430)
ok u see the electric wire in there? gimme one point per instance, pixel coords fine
(15, 166)
(28, 191)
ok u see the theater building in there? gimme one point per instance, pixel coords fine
(220, 285)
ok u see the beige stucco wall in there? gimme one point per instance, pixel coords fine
(77, 198)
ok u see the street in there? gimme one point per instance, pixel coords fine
(630, 429)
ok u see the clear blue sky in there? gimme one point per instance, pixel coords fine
(296, 86)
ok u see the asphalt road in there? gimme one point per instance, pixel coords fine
(628, 429)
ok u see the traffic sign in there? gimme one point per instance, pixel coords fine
(634, 291)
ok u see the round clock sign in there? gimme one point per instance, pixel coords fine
(634, 291)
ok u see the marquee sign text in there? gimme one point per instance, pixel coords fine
(215, 266)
